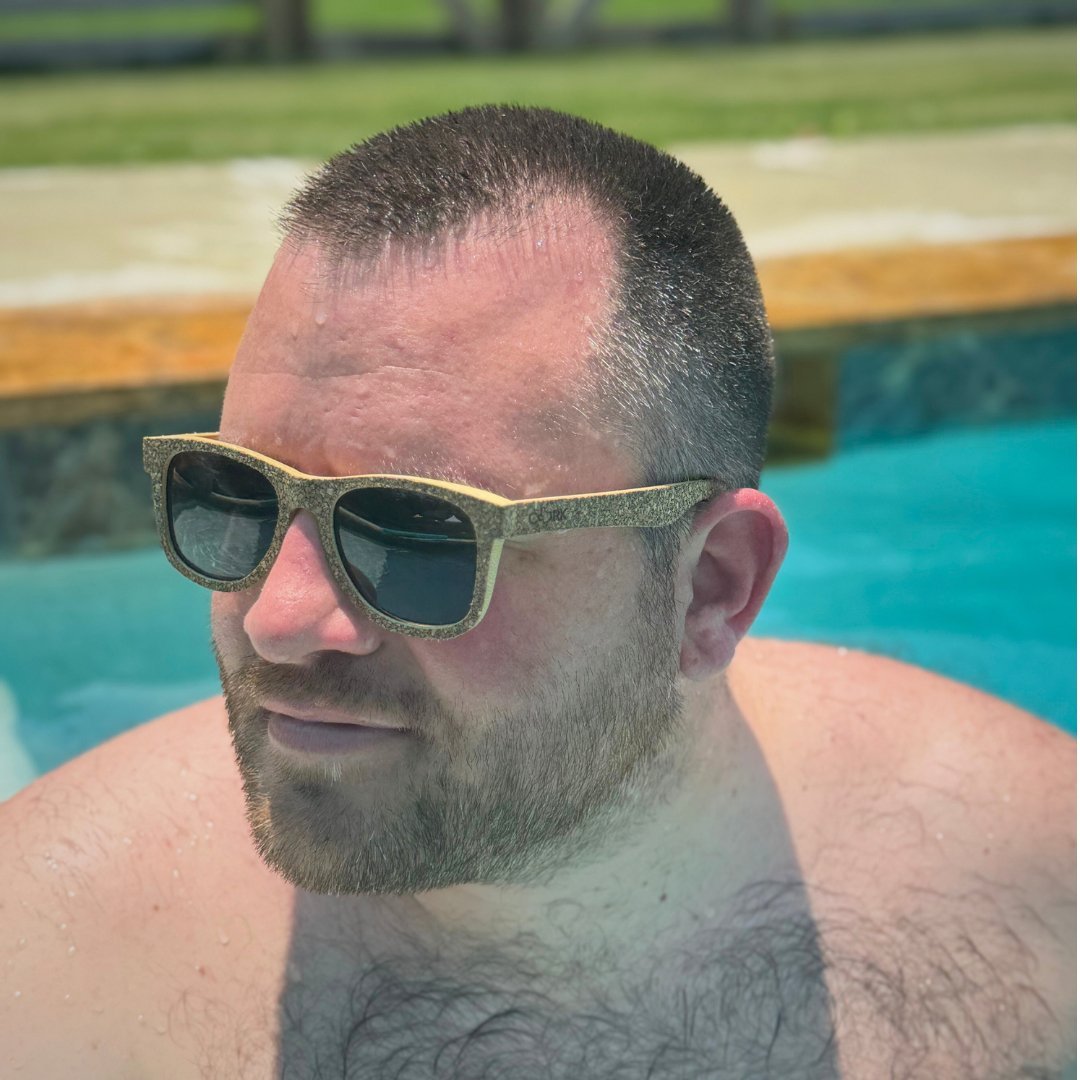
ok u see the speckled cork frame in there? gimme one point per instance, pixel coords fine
(494, 518)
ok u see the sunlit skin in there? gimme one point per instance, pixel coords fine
(461, 364)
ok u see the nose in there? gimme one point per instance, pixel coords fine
(299, 609)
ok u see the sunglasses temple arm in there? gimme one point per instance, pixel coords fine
(644, 508)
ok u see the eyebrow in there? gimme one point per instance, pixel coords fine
(434, 469)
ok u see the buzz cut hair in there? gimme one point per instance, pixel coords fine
(684, 370)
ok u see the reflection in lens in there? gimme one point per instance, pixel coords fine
(410, 555)
(222, 514)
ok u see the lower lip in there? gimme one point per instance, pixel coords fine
(316, 737)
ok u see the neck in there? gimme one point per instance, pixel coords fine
(675, 864)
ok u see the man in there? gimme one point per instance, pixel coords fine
(521, 809)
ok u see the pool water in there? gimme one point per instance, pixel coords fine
(955, 551)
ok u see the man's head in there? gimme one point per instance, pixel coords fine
(681, 366)
(527, 303)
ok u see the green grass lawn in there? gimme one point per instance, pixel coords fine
(398, 16)
(662, 95)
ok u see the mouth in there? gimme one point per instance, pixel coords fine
(320, 732)
(314, 714)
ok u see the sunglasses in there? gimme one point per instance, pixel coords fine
(419, 556)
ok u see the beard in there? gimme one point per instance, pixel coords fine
(509, 797)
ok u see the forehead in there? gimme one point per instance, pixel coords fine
(465, 362)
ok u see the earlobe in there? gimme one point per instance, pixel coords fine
(706, 650)
(737, 546)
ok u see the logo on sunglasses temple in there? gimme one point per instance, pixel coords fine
(544, 515)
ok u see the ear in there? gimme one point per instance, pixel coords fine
(725, 573)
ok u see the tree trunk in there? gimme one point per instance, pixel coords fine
(467, 28)
(286, 30)
(570, 32)
(750, 20)
(518, 19)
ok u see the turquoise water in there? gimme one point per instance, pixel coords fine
(954, 551)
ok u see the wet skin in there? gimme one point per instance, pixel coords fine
(897, 847)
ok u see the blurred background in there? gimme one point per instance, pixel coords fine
(904, 173)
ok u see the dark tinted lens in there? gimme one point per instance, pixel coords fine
(410, 555)
(222, 514)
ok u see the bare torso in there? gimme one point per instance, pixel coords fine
(930, 933)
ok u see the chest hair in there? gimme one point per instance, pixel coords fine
(785, 995)
(746, 1005)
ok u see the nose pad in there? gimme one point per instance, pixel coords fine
(300, 609)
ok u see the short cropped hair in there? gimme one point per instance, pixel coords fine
(684, 373)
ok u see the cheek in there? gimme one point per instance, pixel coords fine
(227, 612)
(545, 615)
(502, 653)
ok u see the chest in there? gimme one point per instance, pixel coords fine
(787, 996)
(740, 1010)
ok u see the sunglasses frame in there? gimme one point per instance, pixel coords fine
(495, 519)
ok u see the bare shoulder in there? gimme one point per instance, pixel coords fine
(865, 742)
(937, 824)
(891, 720)
(114, 869)
(163, 779)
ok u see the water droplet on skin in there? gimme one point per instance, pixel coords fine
(22, 943)
(841, 651)
(175, 873)
(67, 998)
(192, 797)
(209, 824)
(127, 840)
(160, 1028)
(320, 318)
(71, 950)
(71, 892)
(223, 937)
(141, 1018)
(939, 836)
(63, 926)
(179, 851)
(18, 993)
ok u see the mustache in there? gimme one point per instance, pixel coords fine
(331, 681)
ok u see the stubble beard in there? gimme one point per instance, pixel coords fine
(507, 797)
